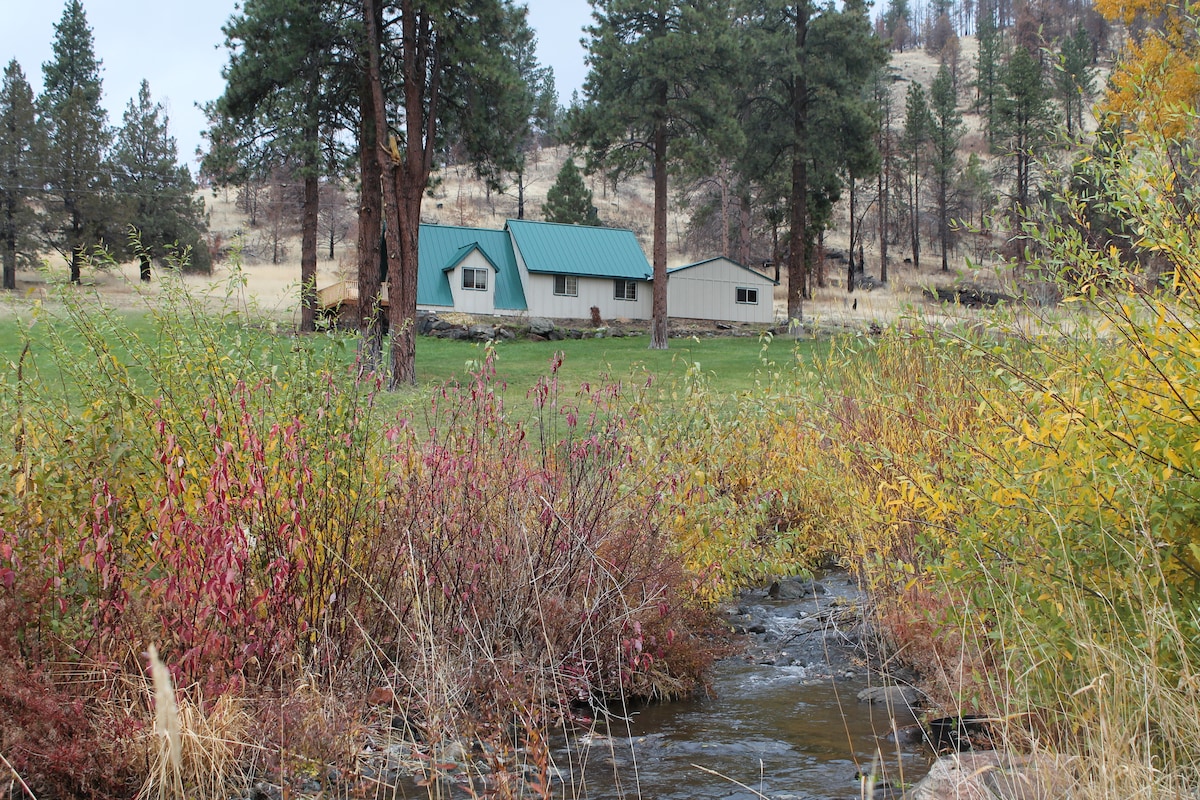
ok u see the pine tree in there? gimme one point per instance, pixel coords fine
(534, 106)
(916, 136)
(881, 93)
(569, 200)
(21, 150)
(988, 68)
(897, 23)
(1074, 78)
(451, 71)
(810, 123)
(280, 94)
(155, 191)
(656, 92)
(1023, 121)
(78, 136)
(945, 132)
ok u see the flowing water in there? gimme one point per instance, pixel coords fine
(783, 721)
(773, 729)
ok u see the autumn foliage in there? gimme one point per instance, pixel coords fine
(245, 507)
(1155, 86)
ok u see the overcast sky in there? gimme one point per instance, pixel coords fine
(177, 45)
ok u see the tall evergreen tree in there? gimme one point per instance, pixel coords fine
(279, 96)
(21, 152)
(1074, 77)
(78, 136)
(814, 64)
(450, 69)
(371, 319)
(569, 200)
(897, 23)
(916, 137)
(1024, 121)
(881, 92)
(536, 103)
(656, 93)
(945, 132)
(155, 190)
(989, 65)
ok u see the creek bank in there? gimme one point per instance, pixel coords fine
(784, 718)
(797, 714)
(823, 625)
(784, 715)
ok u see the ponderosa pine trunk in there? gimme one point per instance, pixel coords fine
(915, 201)
(390, 210)
(658, 330)
(370, 234)
(798, 252)
(308, 231)
(850, 255)
(943, 222)
(402, 289)
(76, 249)
(10, 241)
(744, 226)
(10, 254)
(882, 188)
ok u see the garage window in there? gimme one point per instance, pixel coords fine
(747, 295)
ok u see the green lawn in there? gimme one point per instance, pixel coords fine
(730, 364)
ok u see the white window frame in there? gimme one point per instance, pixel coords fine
(624, 289)
(749, 291)
(475, 273)
(569, 287)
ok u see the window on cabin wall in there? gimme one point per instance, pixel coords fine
(625, 290)
(566, 285)
(747, 295)
(475, 278)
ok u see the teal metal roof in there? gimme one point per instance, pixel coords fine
(754, 272)
(580, 250)
(443, 247)
(465, 251)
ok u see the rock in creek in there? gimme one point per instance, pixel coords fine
(794, 589)
(994, 775)
(892, 696)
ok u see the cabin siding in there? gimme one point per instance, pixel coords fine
(709, 290)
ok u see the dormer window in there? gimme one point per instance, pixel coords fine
(475, 279)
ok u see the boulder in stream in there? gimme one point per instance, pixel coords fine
(892, 696)
(794, 589)
(995, 775)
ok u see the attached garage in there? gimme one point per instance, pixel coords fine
(720, 289)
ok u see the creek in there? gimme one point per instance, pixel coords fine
(783, 718)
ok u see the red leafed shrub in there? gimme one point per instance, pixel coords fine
(49, 737)
(536, 548)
